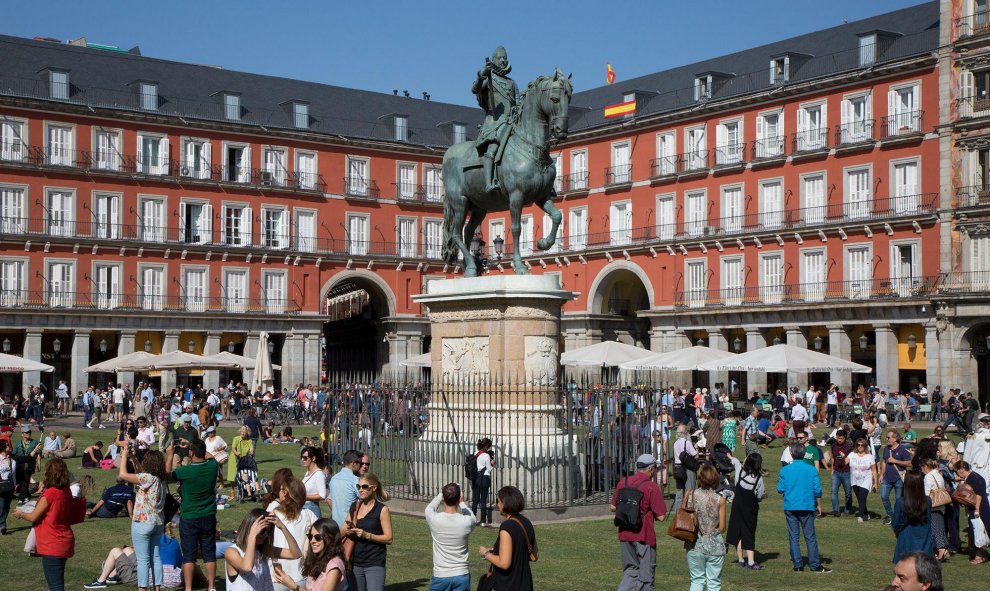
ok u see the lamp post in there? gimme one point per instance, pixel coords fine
(147, 346)
(912, 342)
(191, 345)
(737, 344)
(864, 342)
(700, 342)
(477, 249)
(271, 347)
(56, 345)
(230, 347)
(818, 342)
(776, 340)
(103, 346)
(6, 345)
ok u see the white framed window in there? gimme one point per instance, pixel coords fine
(621, 164)
(813, 198)
(772, 277)
(666, 217)
(152, 219)
(526, 235)
(273, 288)
(274, 166)
(232, 106)
(666, 163)
(577, 228)
(695, 213)
(558, 168)
(401, 128)
(697, 151)
(306, 167)
(305, 230)
(106, 215)
(905, 267)
(702, 88)
(152, 286)
(195, 288)
(867, 49)
(579, 170)
(733, 280)
(12, 218)
(729, 146)
(61, 283)
(772, 203)
(13, 281)
(620, 223)
(813, 274)
(235, 290)
(195, 222)
(432, 238)
(812, 123)
(434, 183)
(275, 227)
(770, 134)
(12, 141)
(358, 234)
(152, 154)
(236, 224)
(58, 85)
(405, 180)
(780, 69)
(859, 192)
(358, 176)
(496, 229)
(61, 212)
(60, 147)
(548, 228)
(300, 115)
(106, 285)
(459, 133)
(859, 271)
(405, 235)
(857, 122)
(196, 159)
(904, 109)
(236, 163)
(907, 196)
(733, 208)
(695, 282)
(106, 155)
(978, 264)
(148, 93)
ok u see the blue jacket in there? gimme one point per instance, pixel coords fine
(800, 485)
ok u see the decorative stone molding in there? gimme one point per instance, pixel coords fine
(464, 358)
(542, 361)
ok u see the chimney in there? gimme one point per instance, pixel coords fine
(405, 93)
(426, 96)
(395, 92)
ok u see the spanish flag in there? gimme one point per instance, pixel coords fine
(620, 109)
(609, 74)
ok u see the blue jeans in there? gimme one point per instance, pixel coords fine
(54, 569)
(458, 583)
(803, 521)
(841, 479)
(885, 494)
(146, 537)
(314, 507)
(705, 571)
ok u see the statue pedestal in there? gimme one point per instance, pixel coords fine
(495, 354)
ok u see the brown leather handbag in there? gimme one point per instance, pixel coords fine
(965, 496)
(940, 497)
(684, 525)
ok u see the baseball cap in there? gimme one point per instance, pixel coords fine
(645, 461)
(211, 429)
(186, 418)
(26, 429)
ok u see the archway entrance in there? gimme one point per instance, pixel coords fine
(355, 334)
(616, 297)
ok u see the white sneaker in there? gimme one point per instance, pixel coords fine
(859, 519)
(103, 427)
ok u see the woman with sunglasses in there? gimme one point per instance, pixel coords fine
(369, 524)
(247, 560)
(315, 478)
(324, 565)
(864, 475)
(297, 520)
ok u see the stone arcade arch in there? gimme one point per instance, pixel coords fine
(358, 303)
(619, 290)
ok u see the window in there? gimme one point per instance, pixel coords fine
(732, 209)
(305, 230)
(196, 159)
(496, 229)
(695, 213)
(812, 133)
(434, 183)
(579, 170)
(195, 292)
(666, 217)
(769, 135)
(771, 204)
(406, 181)
(358, 231)
(906, 197)
(621, 167)
(813, 197)
(300, 115)
(813, 275)
(859, 271)
(61, 284)
(59, 85)
(152, 154)
(61, 213)
(857, 125)
(60, 150)
(558, 178)
(780, 70)
(107, 154)
(406, 237)
(733, 281)
(237, 164)
(152, 220)
(666, 154)
(772, 278)
(274, 168)
(903, 104)
(149, 96)
(432, 238)
(306, 176)
(232, 107)
(235, 292)
(867, 49)
(904, 267)
(12, 219)
(12, 292)
(702, 88)
(401, 128)
(526, 235)
(695, 283)
(106, 286)
(697, 154)
(106, 214)
(459, 133)
(979, 261)
(11, 142)
(548, 228)
(858, 193)
(577, 228)
(357, 180)
(729, 143)
(236, 225)
(275, 227)
(274, 291)
(196, 222)
(620, 223)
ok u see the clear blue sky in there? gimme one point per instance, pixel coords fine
(434, 46)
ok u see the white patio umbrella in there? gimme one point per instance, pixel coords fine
(423, 360)
(688, 359)
(784, 358)
(607, 353)
(176, 360)
(263, 375)
(127, 359)
(15, 364)
(239, 361)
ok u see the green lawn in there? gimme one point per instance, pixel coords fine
(573, 555)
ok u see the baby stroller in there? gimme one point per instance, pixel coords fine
(249, 486)
(721, 458)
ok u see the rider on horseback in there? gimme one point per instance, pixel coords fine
(497, 95)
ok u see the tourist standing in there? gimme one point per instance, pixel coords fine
(515, 546)
(864, 476)
(148, 515)
(841, 476)
(343, 487)
(684, 474)
(198, 527)
(706, 555)
(450, 522)
(912, 517)
(933, 482)
(8, 483)
(896, 459)
(748, 492)
(638, 547)
(241, 446)
(802, 490)
(298, 520)
(25, 455)
(966, 473)
(483, 481)
(369, 524)
(315, 478)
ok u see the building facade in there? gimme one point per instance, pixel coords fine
(822, 191)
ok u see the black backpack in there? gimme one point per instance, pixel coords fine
(628, 507)
(471, 466)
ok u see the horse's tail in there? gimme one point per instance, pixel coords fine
(449, 249)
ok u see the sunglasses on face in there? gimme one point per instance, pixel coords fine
(365, 463)
(314, 537)
(303, 457)
(365, 487)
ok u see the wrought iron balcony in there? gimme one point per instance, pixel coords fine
(973, 196)
(964, 283)
(902, 125)
(574, 182)
(730, 155)
(618, 175)
(973, 25)
(972, 106)
(695, 161)
(769, 148)
(665, 166)
(857, 132)
(361, 187)
(810, 141)
(124, 303)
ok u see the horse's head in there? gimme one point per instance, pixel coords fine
(555, 102)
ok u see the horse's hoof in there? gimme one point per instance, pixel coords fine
(521, 270)
(543, 244)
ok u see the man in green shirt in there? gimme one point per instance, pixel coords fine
(910, 437)
(25, 455)
(198, 511)
(812, 455)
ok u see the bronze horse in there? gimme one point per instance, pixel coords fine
(526, 172)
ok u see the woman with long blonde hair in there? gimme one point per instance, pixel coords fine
(369, 524)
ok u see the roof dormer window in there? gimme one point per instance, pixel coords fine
(58, 84)
(232, 106)
(148, 93)
(300, 115)
(401, 127)
(873, 44)
(703, 87)
(459, 133)
(780, 70)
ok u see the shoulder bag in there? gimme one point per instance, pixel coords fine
(684, 526)
(965, 496)
(940, 497)
(487, 581)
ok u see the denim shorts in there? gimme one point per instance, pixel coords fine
(198, 535)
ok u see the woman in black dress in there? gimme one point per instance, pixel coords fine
(749, 491)
(515, 547)
(369, 524)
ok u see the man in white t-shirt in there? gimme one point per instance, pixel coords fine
(118, 403)
(798, 412)
(451, 522)
(832, 405)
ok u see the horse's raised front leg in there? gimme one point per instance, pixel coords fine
(547, 242)
(515, 214)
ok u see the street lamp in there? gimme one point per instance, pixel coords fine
(191, 345)
(271, 347)
(147, 346)
(863, 342)
(56, 345)
(700, 342)
(6, 345)
(776, 340)
(818, 343)
(478, 250)
(912, 342)
(103, 346)
(230, 347)
(737, 344)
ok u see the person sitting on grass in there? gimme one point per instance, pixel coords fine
(119, 568)
(114, 499)
(93, 455)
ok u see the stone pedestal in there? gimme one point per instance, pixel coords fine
(495, 354)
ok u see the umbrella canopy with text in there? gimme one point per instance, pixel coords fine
(424, 360)
(688, 359)
(15, 364)
(784, 358)
(607, 353)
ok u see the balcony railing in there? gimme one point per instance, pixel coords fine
(973, 196)
(663, 167)
(693, 161)
(964, 282)
(802, 293)
(47, 299)
(430, 193)
(857, 132)
(618, 175)
(730, 154)
(769, 148)
(356, 186)
(576, 181)
(977, 23)
(810, 140)
(906, 124)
